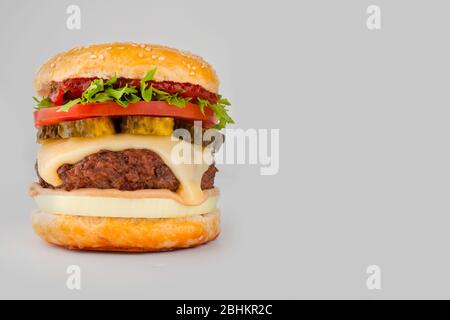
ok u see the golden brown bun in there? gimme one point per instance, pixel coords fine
(127, 60)
(126, 234)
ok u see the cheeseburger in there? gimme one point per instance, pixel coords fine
(118, 167)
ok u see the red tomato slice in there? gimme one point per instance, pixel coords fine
(49, 116)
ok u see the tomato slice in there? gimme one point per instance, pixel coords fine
(49, 116)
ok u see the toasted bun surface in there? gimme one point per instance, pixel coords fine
(126, 60)
(126, 234)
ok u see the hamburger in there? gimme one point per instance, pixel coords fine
(109, 178)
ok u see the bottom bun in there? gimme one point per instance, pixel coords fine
(126, 234)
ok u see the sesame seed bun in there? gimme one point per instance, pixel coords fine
(126, 60)
(126, 234)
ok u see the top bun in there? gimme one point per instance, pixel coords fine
(126, 60)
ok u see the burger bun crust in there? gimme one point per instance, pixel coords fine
(126, 234)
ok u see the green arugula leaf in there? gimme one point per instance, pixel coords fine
(149, 75)
(95, 87)
(177, 101)
(122, 103)
(44, 103)
(221, 114)
(117, 94)
(102, 97)
(66, 107)
(111, 81)
(132, 98)
(172, 99)
(224, 101)
(147, 94)
(219, 109)
(160, 95)
(202, 104)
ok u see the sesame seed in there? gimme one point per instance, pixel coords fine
(140, 54)
(189, 66)
(52, 65)
(154, 57)
(194, 68)
(142, 45)
(109, 48)
(121, 48)
(134, 45)
(148, 49)
(101, 57)
(93, 56)
(191, 73)
(161, 58)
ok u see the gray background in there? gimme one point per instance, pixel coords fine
(364, 123)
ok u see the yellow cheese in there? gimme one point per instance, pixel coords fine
(56, 153)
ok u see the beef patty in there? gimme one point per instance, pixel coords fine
(131, 169)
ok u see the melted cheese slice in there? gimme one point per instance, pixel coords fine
(188, 170)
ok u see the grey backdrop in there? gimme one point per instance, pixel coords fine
(364, 123)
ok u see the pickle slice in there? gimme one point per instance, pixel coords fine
(144, 125)
(47, 132)
(87, 128)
